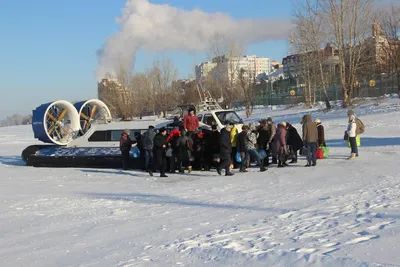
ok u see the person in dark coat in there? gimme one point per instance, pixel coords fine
(280, 143)
(185, 147)
(173, 143)
(211, 146)
(271, 142)
(160, 145)
(294, 141)
(198, 150)
(321, 133)
(147, 143)
(125, 145)
(263, 139)
(225, 150)
(241, 147)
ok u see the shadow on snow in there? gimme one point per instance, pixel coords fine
(162, 199)
(12, 160)
(367, 142)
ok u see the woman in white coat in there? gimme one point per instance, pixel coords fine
(352, 133)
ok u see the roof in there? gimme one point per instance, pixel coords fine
(140, 124)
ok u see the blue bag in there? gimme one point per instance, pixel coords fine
(135, 152)
(262, 154)
(238, 157)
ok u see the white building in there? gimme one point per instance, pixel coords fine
(228, 68)
(203, 69)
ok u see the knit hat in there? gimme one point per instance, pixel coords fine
(317, 121)
(283, 124)
(350, 112)
(269, 119)
(127, 131)
(352, 117)
(228, 126)
(162, 129)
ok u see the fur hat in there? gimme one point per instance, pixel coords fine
(352, 117)
(228, 126)
(317, 121)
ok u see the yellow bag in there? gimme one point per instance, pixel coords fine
(358, 141)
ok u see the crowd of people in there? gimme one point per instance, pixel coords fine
(188, 148)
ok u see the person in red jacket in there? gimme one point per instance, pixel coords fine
(190, 122)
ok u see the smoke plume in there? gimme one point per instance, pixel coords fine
(151, 27)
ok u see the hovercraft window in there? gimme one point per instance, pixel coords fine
(98, 136)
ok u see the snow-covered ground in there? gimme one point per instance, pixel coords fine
(340, 213)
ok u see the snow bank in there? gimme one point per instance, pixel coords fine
(340, 213)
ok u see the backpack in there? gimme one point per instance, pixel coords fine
(360, 126)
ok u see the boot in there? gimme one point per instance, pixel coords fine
(285, 164)
(293, 161)
(242, 169)
(163, 175)
(280, 165)
(274, 160)
(262, 168)
(219, 171)
(353, 156)
(266, 161)
(151, 172)
(229, 174)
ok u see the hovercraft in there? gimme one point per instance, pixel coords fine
(84, 134)
(81, 135)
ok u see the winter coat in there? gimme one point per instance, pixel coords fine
(225, 145)
(125, 143)
(321, 135)
(212, 143)
(173, 140)
(241, 142)
(159, 150)
(148, 139)
(272, 131)
(294, 139)
(190, 123)
(280, 138)
(352, 128)
(263, 136)
(234, 135)
(251, 140)
(310, 131)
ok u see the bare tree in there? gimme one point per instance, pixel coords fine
(226, 52)
(116, 91)
(348, 24)
(248, 88)
(161, 76)
(390, 22)
(309, 38)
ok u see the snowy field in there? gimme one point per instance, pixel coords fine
(340, 213)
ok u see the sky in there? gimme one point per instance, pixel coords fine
(48, 48)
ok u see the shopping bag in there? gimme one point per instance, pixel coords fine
(135, 152)
(304, 152)
(262, 154)
(238, 157)
(320, 153)
(325, 149)
(168, 153)
(358, 141)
